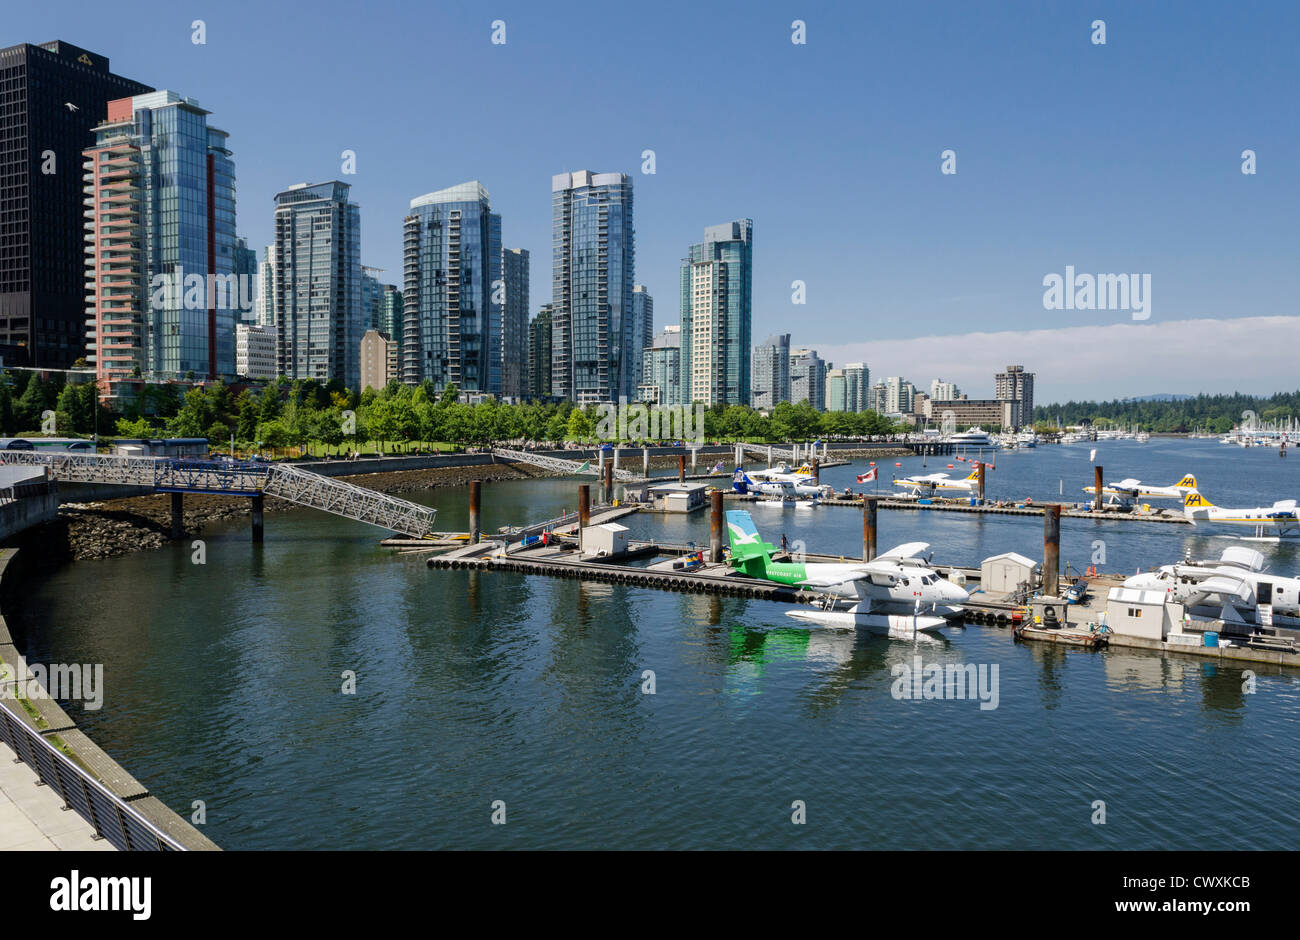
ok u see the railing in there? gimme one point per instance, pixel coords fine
(345, 499)
(112, 818)
(767, 453)
(557, 464)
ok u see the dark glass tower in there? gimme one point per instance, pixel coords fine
(52, 96)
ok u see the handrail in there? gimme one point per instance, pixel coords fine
(111, 816)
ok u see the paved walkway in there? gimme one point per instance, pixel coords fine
(32, 817)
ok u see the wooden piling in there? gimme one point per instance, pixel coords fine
(1051, 549)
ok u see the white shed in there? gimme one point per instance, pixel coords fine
(609, 538)
(1148, 614)
(1003, 573)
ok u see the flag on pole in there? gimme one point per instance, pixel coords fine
(717, 468)
(868, 476)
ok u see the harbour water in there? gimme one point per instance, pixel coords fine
(222, 684)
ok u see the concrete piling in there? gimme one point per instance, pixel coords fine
(868, 528)
(475, 497)
(1051, 549)
(645, 461)
(715, 527)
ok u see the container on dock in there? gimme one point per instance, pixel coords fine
(1211, 639)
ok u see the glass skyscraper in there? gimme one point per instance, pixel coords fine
(514, 324)
(539, 355)
(161, 250)
(771, 383)
(807, 378)
(318, 295)
(717, 289)
(661, 382)
(592, 273)
(451, 268)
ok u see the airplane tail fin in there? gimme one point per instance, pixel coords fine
(1188, 480)
(749, 553)
(1194, 500)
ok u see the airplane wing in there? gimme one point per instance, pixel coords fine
(1229, 589)
(908, 550)
(1126, 486)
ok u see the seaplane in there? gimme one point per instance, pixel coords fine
(1127, 491)
(803, 487)
(1231, 589)
(896, 594)
(781, 472)
(926, 484)
(1279, 521)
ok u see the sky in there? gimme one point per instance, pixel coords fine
(1123, 157)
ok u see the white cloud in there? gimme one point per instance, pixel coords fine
(1254, 355)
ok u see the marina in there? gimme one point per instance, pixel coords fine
(558, 661)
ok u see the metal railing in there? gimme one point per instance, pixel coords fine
(558, 464)
(345, 499)
(112, 818)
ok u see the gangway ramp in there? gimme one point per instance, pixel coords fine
(768, 453)
(558, 464)
(348, 500)
(221, 478)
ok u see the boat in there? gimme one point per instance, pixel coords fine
(1027, 439)
(973, 435)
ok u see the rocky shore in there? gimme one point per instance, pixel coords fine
(142, 523)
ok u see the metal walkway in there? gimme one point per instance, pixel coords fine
(349, 500)
(558, 464)
(768, 453)
(171, 475)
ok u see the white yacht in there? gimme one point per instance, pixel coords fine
(973, 435)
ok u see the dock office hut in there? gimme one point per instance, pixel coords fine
(678, 497)
(170, 447)
(1005, 573)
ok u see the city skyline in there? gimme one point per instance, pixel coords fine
(956, 287)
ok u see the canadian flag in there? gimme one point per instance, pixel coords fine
(868, 476)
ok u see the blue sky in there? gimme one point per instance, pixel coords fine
(1116, 158)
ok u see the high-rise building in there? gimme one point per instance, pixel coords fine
(857, 384)
(266, 288)
(878, 398)
(318, 309)
(943, 391)
(898, 395)
(375, 360)
(592, 273)
(255, 351)
(246, 267)
(836, 391)
(643, 328)
(391, 321)
(771, 368)
(539, 355)
(661, 382)
(162, 295)
(514, 324)
(717, 288)
(52, 96)
(1017, 386)
(372, 298)
(452, 268)
(808, 378)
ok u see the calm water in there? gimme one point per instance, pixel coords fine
(223, 686)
